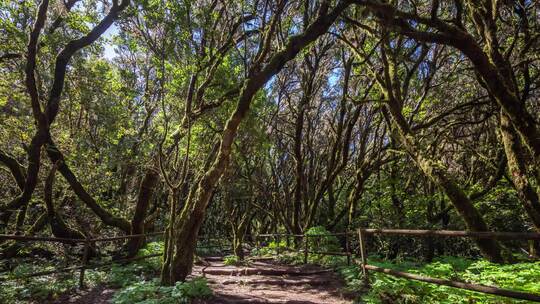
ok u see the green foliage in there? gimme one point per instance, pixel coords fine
(322, 240)
(51, 286)
(275, 246)
(196, 288)
(41, 288)
(232, 260)
(352, 275)
(124, 275)
(138, 292)
(270, 249)
(151, 292)
(386, 288)
(291, 258)
(151, 264)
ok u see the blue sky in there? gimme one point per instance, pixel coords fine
(109, 52)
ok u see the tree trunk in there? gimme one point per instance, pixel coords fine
(12, 248)
(238, 240)
(186, 227)
(518, 172)
(299, 167)
(58, 226)
(34, 161)
(473, 220)
(438, 175)
(146, 191)
(106, 217)
(182, 238)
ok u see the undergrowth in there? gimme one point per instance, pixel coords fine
(524, 276)
(233, 260)
(150, 292)
(389, 289)
(134, 281)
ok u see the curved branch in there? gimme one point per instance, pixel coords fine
(56, 157)
(16, 169)
(69, 50)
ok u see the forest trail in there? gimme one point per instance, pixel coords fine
(264, 281)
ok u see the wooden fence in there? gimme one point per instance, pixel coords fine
(87, 243)
(362, 234)
(305, 243)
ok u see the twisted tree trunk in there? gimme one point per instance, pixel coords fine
(146, 190)
(187, 225)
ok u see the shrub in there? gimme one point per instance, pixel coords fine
(149, 292)
(231, 260)
(386, 288)
(194, 289)
(121, 275)
(270, 248)
(38, 289)
(322, 240)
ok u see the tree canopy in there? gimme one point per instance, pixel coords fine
(239, 118)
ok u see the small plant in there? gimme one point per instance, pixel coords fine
(41, 288)
(141, 270)
(385, 288)
(136, 293)
(122, 275)
(322, 240)
(270, 248)
(232, 260)
(194, 289)
(149, 292)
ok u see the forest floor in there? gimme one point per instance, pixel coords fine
(96, 295)
(261, 281)
(264, 281)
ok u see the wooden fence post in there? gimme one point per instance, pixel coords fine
(278, 241)
(306, 247)
(532, 249)
(84, 261)
(363, 255)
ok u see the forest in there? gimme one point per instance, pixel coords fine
(269, 151)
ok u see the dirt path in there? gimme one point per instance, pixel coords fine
(266, 282)
(260, 282)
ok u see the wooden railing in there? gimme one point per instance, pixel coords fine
(362, 234)
(87, 243)
(305, 243)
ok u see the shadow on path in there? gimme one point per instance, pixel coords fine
(267, 282)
